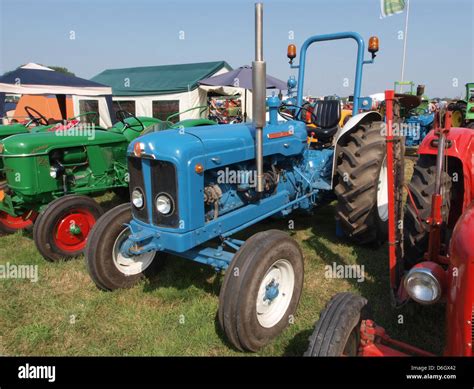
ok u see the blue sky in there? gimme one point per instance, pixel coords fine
(124, 33)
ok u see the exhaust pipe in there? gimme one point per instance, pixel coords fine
(258, 94)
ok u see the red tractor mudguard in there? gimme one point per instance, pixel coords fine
(460, 146)
(460, 296)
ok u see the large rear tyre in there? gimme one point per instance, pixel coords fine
(337, 332)
(108, 268)
(422, 186)
(261, 290)
(62, 228)
(458, 114)
(361, 188)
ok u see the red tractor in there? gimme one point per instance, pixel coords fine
(431, 254)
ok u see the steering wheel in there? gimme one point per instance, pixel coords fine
(122, 115)
(94, 115)
(288, 116)
(203, 108)
(39, 119)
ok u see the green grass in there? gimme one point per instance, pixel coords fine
(175, 312)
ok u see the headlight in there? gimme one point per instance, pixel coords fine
(164, 204)
(53, 172)
(423, 285)
(137, 198)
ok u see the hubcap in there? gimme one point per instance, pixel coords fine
(73, 229)
(130, 265)
(275, 293)
(382, 193)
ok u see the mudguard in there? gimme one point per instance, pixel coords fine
(460, 294)
(461, 146)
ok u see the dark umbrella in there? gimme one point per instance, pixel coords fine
(242, 78)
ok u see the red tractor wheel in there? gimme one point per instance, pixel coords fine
(63, 227)
(10, 224)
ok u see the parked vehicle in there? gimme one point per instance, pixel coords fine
(51, 174)
(191, 192)
(435, 265)
(463, 110)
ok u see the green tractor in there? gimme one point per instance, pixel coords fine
(51, 174)
(463, 110)
(38, 123)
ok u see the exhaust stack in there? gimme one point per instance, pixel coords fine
(258, 94)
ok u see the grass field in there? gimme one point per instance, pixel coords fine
(63, 313)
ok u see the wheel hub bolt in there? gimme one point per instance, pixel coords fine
(75, 229)
(271, 291)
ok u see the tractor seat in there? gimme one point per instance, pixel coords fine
(327, 114)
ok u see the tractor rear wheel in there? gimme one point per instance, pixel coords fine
(337, 332)
(62, 228)
(108, 268)
(422, 186)
(361, 187)
(458, 114)
(261, 290)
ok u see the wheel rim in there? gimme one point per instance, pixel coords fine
(21, 222)
(275, 293)
(352, 344)
(382, 192)
(72, 230)
(130, 265)
(456, 119)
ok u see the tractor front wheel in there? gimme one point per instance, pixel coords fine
(261, 290)
(62, 228)
(361, 187)
(107, 266)
(10, 224)
(337, 332)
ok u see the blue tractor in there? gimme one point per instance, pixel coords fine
(413, 113)
(193, 189)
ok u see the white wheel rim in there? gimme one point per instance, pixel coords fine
(133, 265)
(382, 192)
(271, 311)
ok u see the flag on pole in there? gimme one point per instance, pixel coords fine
(391, 7)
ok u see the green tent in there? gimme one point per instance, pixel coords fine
(158, 80)
(160, 91)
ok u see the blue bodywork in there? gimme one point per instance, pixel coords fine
(297, 176)
(418, 127)
(304, 174)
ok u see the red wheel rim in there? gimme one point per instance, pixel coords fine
(17, 222)
(71, 232)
